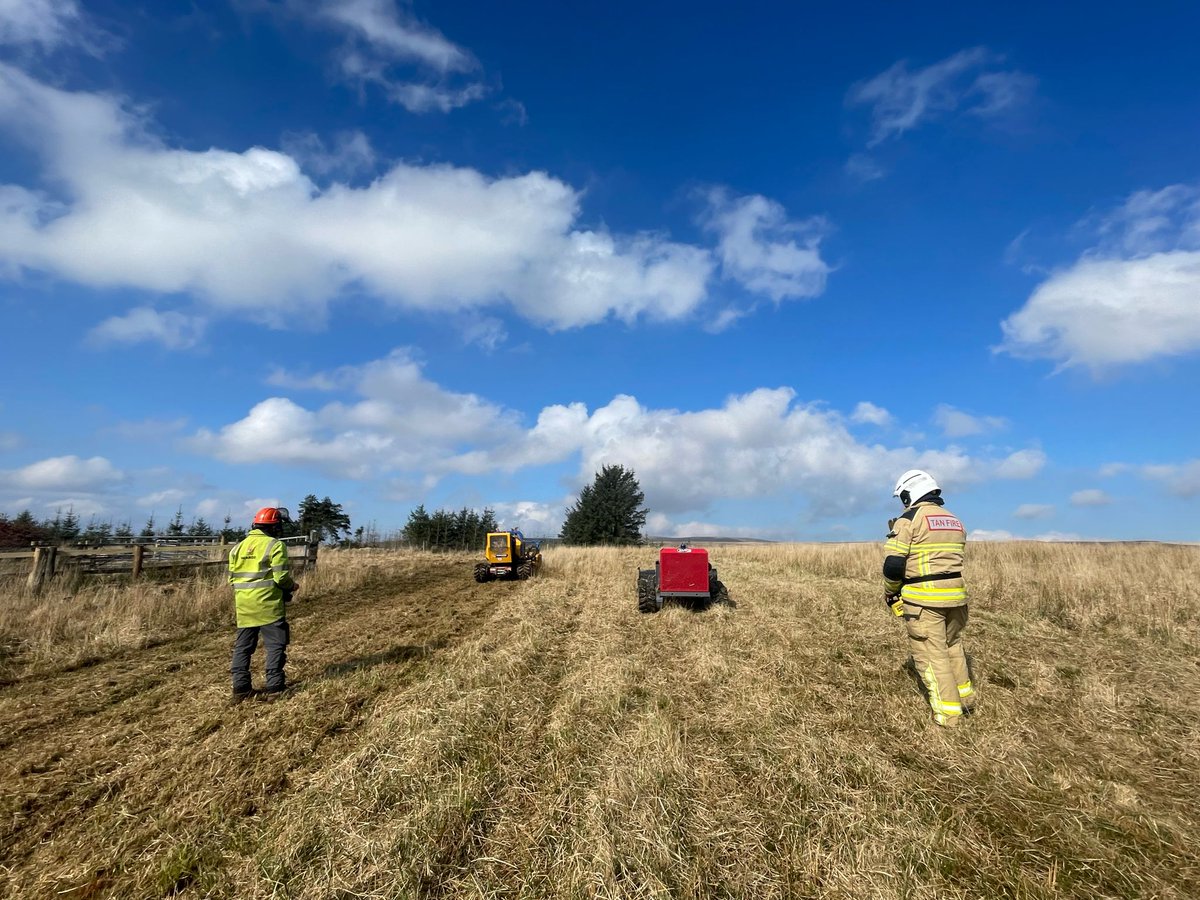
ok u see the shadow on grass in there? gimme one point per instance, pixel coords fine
(399, 653)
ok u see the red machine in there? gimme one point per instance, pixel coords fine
(682, 574)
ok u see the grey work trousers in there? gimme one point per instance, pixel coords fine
(276, 637)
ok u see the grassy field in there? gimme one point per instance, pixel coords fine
(543, 739)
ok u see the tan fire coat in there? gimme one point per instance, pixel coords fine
(924, 556)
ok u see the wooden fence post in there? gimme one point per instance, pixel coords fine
(43, 566)
(310, 550)
(138, 553)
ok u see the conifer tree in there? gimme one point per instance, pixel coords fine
(68, 527)
(608, 511)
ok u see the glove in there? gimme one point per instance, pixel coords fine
(287, 595)
(895, 603)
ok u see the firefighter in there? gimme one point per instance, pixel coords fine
(261, 577)
(923, 585)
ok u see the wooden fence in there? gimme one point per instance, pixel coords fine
(165, 554)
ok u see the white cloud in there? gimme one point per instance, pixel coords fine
(1111, 470)
(380, 24)
(757, 245)
(1034, 511)
(1182, 480)
(148, 430)
(423, 98)
(1134, 297)
(42, 23)
(173, 330)
(868, 413)
(1090, 497)
(994, 93)
(761, 444)
(991, 534)
(321, 381)
(984, 534)
(350, 155)
(384, 45)
(485, 332)
(64, 473)
(1151, 222)
(1106, 312)
(251, 233)
(535, 519)
(864, 168)
(969, 81)
(84, 507)
(402, 422)
(956, 423)
(1022, 464)
(172, 497)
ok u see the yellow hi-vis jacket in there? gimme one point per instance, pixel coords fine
(259, 572)
(924, 556)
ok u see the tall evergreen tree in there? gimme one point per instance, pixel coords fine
(148, 529)
(68, 527)
(608, 511)
(325, 517)
(97, 533)
(417, 529)
(199, 528)
(175, 528)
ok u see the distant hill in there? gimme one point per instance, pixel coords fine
(706, 539)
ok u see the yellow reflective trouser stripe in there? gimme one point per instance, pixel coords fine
(966, 690)
(945, 707)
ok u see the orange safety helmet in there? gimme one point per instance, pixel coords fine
(268, 515)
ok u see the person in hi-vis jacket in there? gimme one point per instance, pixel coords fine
(261, 577)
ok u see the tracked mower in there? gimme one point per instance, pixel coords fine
(683, 575)
(507, 554)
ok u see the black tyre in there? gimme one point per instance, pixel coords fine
(718, 593)
(481, 573)
(647, 591)
(525, 570)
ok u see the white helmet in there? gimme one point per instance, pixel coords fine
(913, 485)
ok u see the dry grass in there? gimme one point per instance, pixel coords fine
(76, 621)
(543, 739)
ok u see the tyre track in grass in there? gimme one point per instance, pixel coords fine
(148, 738)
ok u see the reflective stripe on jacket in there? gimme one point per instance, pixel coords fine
(924, 556)
(259, 572)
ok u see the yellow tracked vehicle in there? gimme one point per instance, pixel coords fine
(508, 554)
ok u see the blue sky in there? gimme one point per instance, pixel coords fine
(467, 254)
